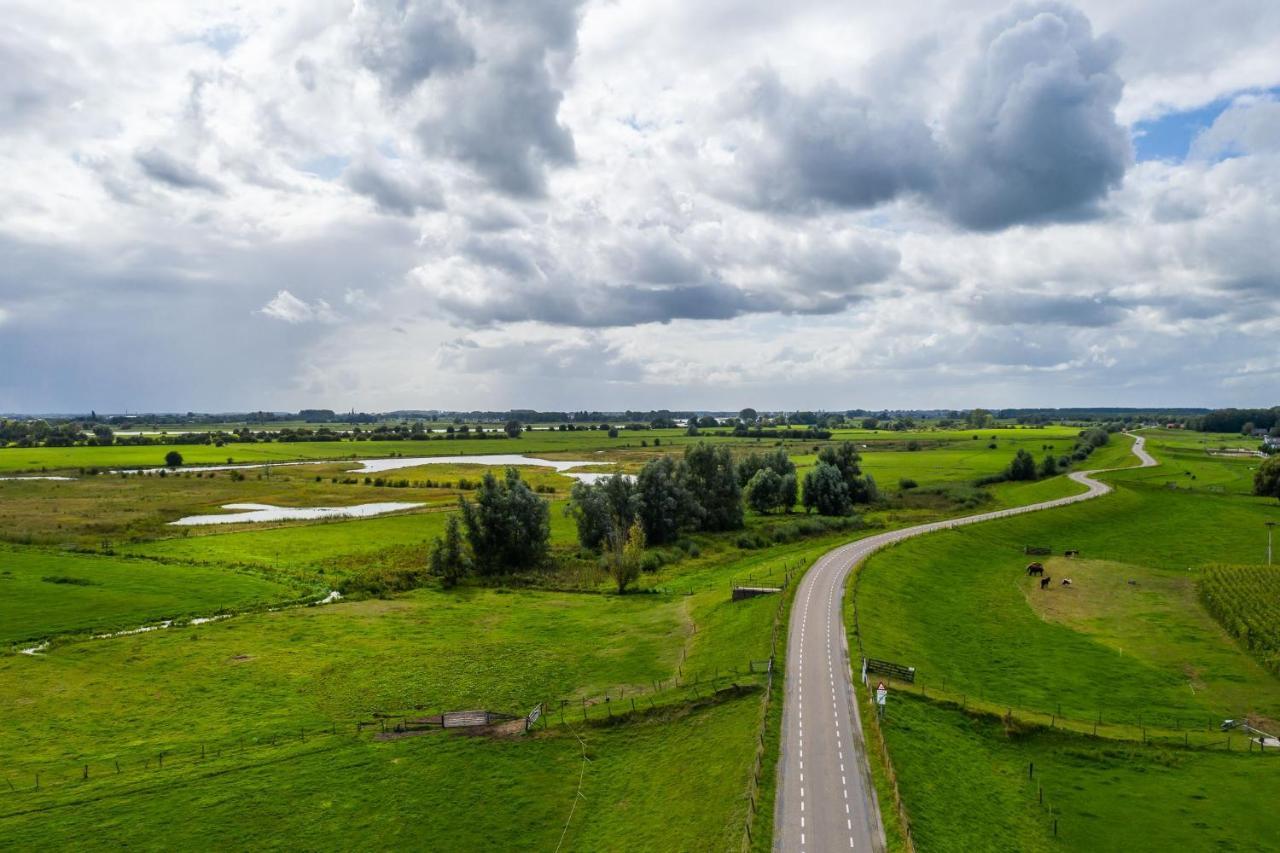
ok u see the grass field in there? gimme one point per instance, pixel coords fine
(671, 778)
(653, 784)
(1128, 643)
(969, 786)
(44, 593)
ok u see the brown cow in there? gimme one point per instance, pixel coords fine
(1034, 569)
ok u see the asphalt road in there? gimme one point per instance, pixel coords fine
(825, 797)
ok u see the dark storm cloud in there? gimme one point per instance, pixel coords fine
(1031, 135)
(167, 169)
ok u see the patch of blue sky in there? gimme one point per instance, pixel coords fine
(328, 166)
(1170, 136)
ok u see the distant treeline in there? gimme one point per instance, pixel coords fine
(1235, 420)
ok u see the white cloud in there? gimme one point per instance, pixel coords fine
(566, 203)
(289, 308)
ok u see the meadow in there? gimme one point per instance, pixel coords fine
(1124, 655)
(223, 701)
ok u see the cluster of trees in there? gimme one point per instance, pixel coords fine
(506, 526)
(618, 516)
(836, 482)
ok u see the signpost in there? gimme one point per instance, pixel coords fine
(882, 694)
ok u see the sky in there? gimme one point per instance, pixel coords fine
(611, 204)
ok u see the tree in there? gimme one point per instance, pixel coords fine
(713, 482)
(513, 429)
(103, 433)
(748, 416)
(692, 429)
(627, 557)
(613, 432)
(664, 504)
(762, 490)
(980, 419)
(449, 560)
(603, 508)
(826, 491)
(787, 493)
(1247, 429)
(1023, 466)
(777, 491)
(1048, 466)
(173, 459)
(1266, 480)
(508, 526)
(870, 423)
(844, 458)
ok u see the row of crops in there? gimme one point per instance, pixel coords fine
(1246, 601)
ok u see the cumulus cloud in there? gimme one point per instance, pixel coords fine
(1251, 125)
(882, 213)
(289, 308)
(1030, 136)
(1033, 134)
(404, 43)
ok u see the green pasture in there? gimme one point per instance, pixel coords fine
(674, 781)
(958, 606)
(971, 783)
(46, 593)
(1127, 644)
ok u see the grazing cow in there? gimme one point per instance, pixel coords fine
(1066, 581)
(1044, 582)
(1071, 553)
(1034, 569)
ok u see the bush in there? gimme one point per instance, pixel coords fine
(907, 483)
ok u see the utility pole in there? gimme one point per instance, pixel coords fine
(1270, 526)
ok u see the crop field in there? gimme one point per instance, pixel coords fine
(1246, 601)
(1124, 655)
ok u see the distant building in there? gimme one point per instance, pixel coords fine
(1272, 442)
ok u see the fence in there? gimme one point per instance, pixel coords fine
(873, 723)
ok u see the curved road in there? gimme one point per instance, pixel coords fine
(825, 799)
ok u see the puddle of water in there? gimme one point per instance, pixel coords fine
(37, 478)
(253, 513)
(594, 476)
